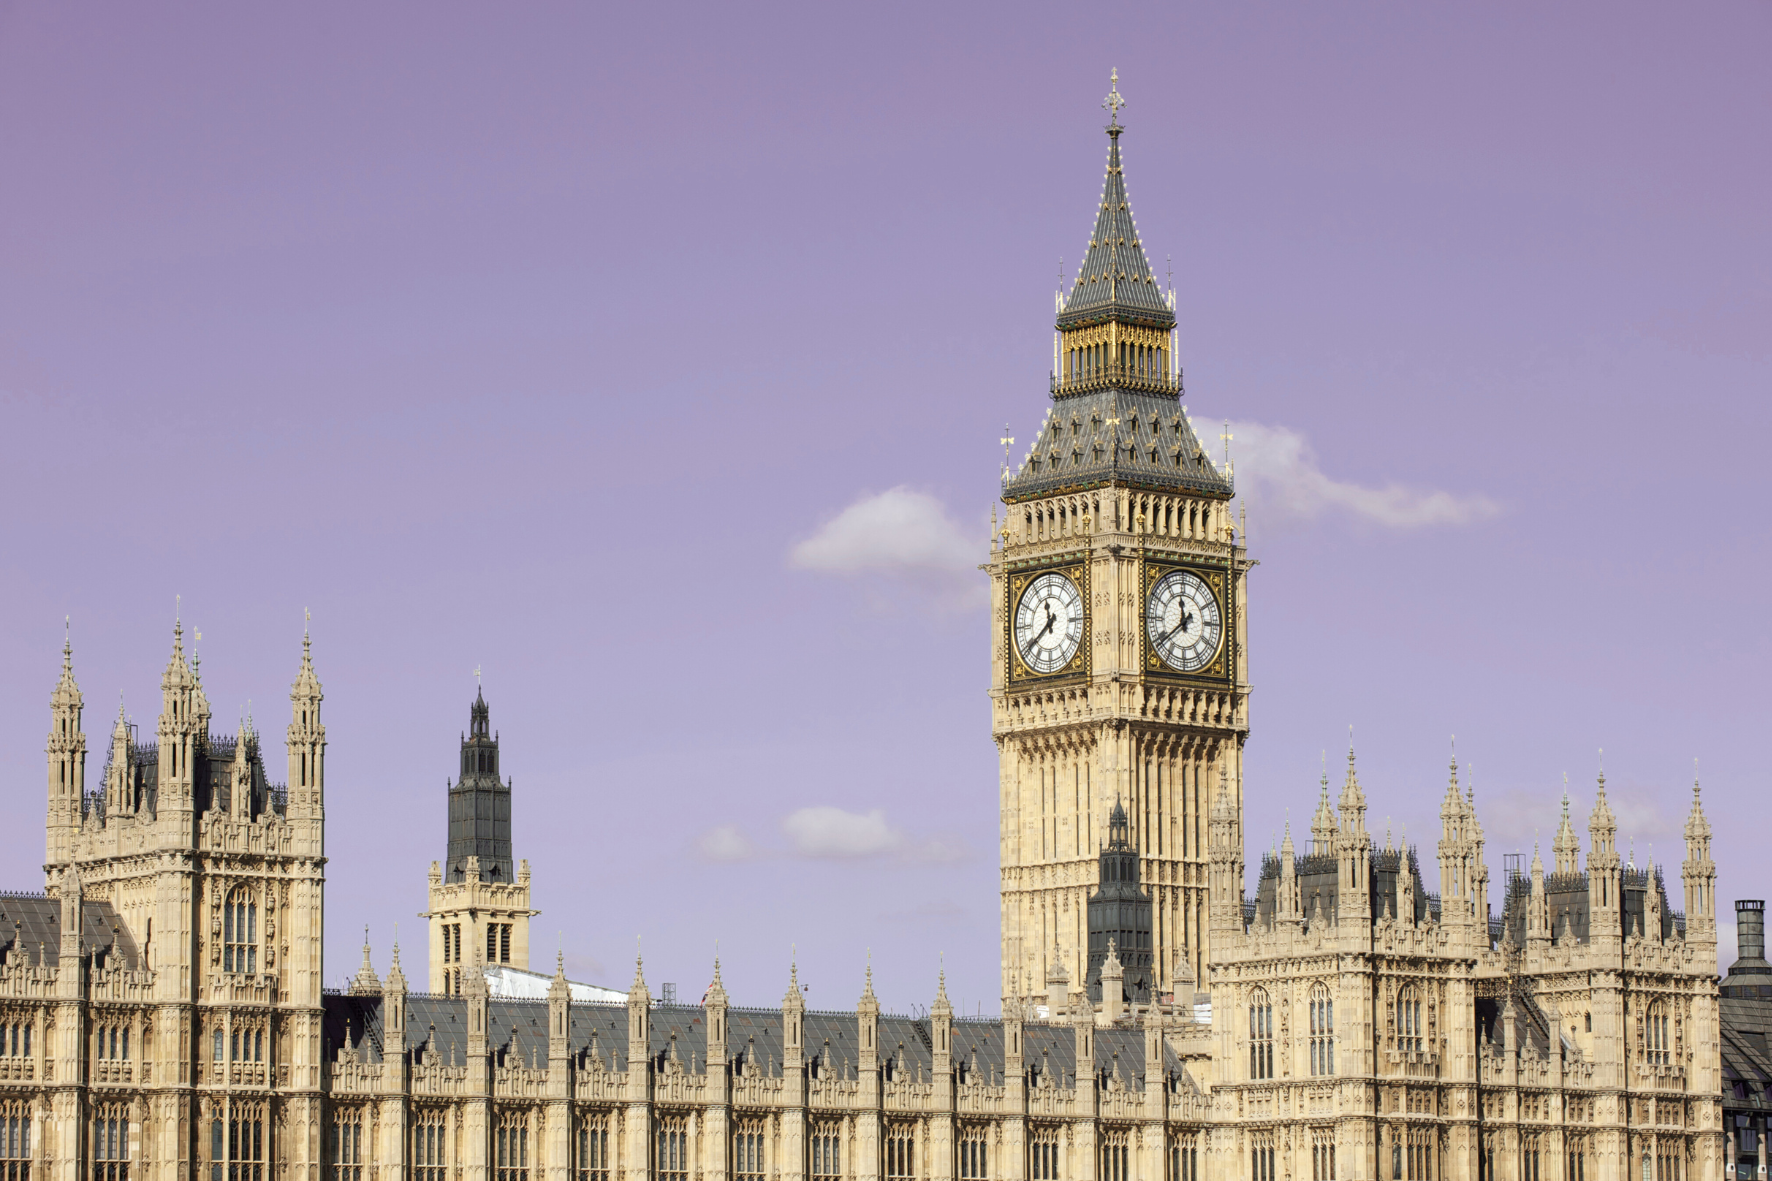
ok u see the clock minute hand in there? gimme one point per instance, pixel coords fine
(1050, 620)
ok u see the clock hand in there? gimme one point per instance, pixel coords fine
(1186, 621)
(1050, 620)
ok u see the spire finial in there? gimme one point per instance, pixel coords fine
(1114, 101)
(68, 644)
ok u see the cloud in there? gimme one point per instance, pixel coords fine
(1277, 471)
(898, 530)
(832, 832)
(825, 833)
(725, 843)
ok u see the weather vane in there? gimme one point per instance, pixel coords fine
(1113, 102)
(476, 674)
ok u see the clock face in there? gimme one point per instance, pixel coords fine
(1183, 621)
(1049, 623)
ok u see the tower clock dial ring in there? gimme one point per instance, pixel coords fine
(1049, 623)
(1183, 621)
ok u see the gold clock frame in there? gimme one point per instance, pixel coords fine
(1216, 582)
(1016, 583)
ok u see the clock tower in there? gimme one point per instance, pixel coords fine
(1119, 673)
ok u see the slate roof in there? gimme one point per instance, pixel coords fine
(1744, 1007)
(1153, 446)
(1115, 281)
(30, 925)
(753, 1038)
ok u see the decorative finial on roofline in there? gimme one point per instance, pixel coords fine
(1114, 101)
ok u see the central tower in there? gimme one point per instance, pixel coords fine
(479, 902)
(1119, 667)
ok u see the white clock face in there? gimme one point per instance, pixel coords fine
(1049, 623)
(1183, 621)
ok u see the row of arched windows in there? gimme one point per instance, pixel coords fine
(1321, 1008)
(1138, 360)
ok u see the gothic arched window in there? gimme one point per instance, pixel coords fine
(240, 932)
(1656, 1042)
(1261, 1035)
(1322, 1031)
(1409, 1026)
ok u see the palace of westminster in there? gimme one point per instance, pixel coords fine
(162, 1014)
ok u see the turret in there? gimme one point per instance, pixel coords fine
(1058, 982)
(1353, 902)
(793, 1024)
(1288, 903)
(306, 741)
(475, 996)
(941, 1028)
(240, 775)
(120, 796)
(365, 982)
(1699, 874)
(867, 1033)
(560, 1018)
(1605, 895)
(1566, 848)
(183, 728)
(71, 970)
(1538, 932)
(714, 1006)
(639, 1031)
(1225, 858)
(67, 762)
(1113, 987)
(393, 1008)
(1323, 822)
(1458, 900)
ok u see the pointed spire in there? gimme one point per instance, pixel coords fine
(1565, 848)
(396, 981)
(365, 981)
(1115, 281)
(1697, 827)
(306, 683)
(1323, 820)
(1353, 800)
(67, 680)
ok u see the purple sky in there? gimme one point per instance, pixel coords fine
(554, 339)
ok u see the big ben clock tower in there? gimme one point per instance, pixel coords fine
(1119, 668)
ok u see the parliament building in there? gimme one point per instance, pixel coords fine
(1349, 1017)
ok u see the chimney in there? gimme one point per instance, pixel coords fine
(1750, 929)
